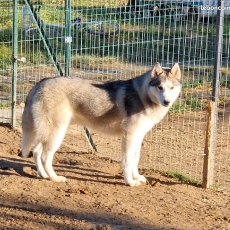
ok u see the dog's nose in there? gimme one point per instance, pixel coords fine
(166, 102)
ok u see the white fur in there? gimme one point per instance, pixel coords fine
(55, 103)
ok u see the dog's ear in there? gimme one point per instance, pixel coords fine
(156, 71)
(175, 71)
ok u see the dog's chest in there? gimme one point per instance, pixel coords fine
(152, 117)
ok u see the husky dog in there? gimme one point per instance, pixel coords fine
(129, 108)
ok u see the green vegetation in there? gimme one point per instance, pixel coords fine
(4, 87)
(4, 105)
(140, 40)
(188, 104)
(176, 175)
(182, 177)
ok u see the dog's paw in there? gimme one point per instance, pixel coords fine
(133, 183)
(141, 179)
(59, 179)
(43, 174)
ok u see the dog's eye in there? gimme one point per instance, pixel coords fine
(160, 87)
(172, 87)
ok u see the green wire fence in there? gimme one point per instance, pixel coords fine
(40, 39)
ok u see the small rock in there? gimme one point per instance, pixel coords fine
(84, 191)
(69, 195)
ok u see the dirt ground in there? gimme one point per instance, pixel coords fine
(95, 197)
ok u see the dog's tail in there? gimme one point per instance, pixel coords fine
(28, 138)
(28, 131)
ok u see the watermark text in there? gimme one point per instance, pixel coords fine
(207, 7)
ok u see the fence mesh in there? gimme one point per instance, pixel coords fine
(149, 32)
(6, 19)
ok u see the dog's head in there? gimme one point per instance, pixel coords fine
(164, 85)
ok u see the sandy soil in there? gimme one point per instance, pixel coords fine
(95, 197)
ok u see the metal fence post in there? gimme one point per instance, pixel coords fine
(68, 41)
(14, 62)
(209, 151)
(68, 38)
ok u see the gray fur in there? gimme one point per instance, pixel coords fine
(128, 108)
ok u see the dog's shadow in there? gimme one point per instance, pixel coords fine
(14, 166)
(168, 180)
(88, 174)
(153, 181)
(20, 167)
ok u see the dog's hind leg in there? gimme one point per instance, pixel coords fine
(28, 137)
(49, 149)
(37, 153)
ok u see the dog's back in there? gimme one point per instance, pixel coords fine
(60, 101)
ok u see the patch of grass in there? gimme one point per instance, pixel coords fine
(6, 35)
(194, 83)
(93, 61)
(5, 56)
(4, 105)
(176, 175)
(187, 104)
(218, 188)
(131, 33)
(138, 42)
(225, 82)
(182, 177)
(4, 87)
(224, 101)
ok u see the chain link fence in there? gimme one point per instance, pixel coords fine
(119, 40)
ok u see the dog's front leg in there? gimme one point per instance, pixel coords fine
(136, 174)
(129, 160)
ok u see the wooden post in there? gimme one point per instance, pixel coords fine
(208, 166)
(209, 159)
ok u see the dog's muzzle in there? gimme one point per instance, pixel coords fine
(166, 102)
